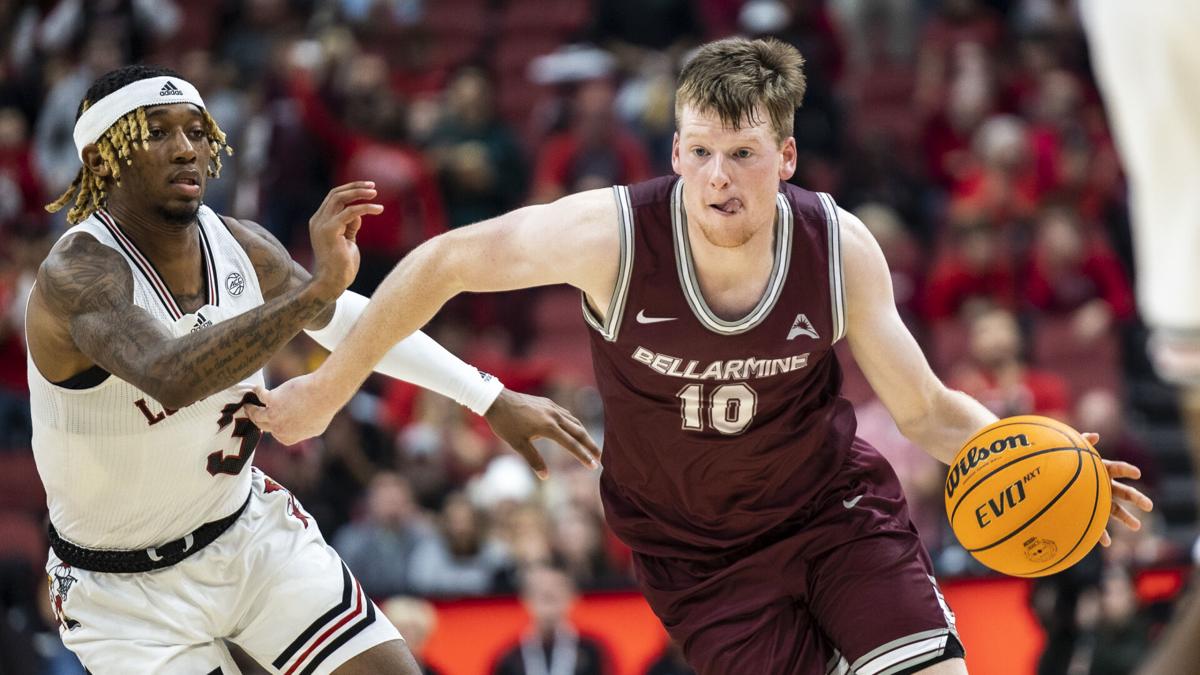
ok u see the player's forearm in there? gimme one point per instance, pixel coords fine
(951, 420)
(215, 358)
(417, 359)
(406, 300)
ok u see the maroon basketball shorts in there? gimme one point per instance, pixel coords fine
(851, 590)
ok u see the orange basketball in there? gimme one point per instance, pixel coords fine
(1027, 496)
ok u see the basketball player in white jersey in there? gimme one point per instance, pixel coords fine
(147, 328)
(1147, 61)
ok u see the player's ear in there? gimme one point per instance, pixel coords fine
(675, 153)
(788, 166)
(93, 161)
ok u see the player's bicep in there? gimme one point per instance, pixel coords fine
(574, 240)
(89, 285)
(882, 345)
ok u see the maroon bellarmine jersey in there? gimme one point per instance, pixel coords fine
(718, 433)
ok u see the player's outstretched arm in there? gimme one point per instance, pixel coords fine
(82, 313)
(574, 240)
(418, 359)
(933, 416)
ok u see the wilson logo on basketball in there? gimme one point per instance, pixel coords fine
(971, 458)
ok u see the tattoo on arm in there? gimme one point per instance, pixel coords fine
(91, 285)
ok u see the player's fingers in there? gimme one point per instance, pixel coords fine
(1105, 540)
(580, 434)
(535, 461)
(1133, 496)
(559, 434)
(259, 398)
(1128, 519)
(261, 417)
(1091, 437)
(335, 198)
(350, 213)
(1122, 469)
(353, 185)
(347, 196)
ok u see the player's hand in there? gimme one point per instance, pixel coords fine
(333, 229)
(1122, 492)
(519, 419)
(292, 412)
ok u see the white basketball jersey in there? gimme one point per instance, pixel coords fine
(120, 470)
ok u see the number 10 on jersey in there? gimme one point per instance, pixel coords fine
(730, 407)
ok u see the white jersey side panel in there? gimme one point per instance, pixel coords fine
(122, 472)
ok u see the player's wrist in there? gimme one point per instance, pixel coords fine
(320, 290)
(481, 397)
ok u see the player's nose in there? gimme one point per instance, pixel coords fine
(718, 177)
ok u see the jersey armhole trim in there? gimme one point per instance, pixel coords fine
(610, 327)
(837, 286)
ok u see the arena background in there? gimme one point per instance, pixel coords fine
(967, 134)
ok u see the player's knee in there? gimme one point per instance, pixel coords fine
(389, 658)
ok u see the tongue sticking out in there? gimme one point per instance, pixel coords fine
(731, 206)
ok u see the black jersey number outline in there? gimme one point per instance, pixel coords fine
(243, 428)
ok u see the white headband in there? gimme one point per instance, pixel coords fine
(152, 91)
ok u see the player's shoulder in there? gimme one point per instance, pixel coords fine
(649, 192)
(74, 251)
(79, 269)
(819, 208)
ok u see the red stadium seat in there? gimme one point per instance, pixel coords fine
(561, 17)
(1085, 366)
(20, 485)
(463, 19)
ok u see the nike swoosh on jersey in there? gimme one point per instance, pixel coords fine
(851, 503)
(642, 318)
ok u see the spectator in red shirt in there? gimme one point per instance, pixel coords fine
(1071, 272)
(974, 268)
(370, 145)
(998, 377)
(594, 152)
(946, 136)
(1001, 186)
(21, 194)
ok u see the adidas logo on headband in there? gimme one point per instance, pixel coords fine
(169, 89)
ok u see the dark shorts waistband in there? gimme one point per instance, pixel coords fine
(142, 560)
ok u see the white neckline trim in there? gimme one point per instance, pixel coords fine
(691, 285)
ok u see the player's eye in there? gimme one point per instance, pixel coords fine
(196, 134)
(700, 152)
(744, 153)
(156, 133)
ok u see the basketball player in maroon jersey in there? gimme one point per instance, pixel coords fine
(767, 538)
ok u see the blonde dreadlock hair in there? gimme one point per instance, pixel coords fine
(89, 191)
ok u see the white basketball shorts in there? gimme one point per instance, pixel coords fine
(269, 584)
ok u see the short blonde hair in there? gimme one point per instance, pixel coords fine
(738, 78)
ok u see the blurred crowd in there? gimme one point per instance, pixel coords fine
(967, 134)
